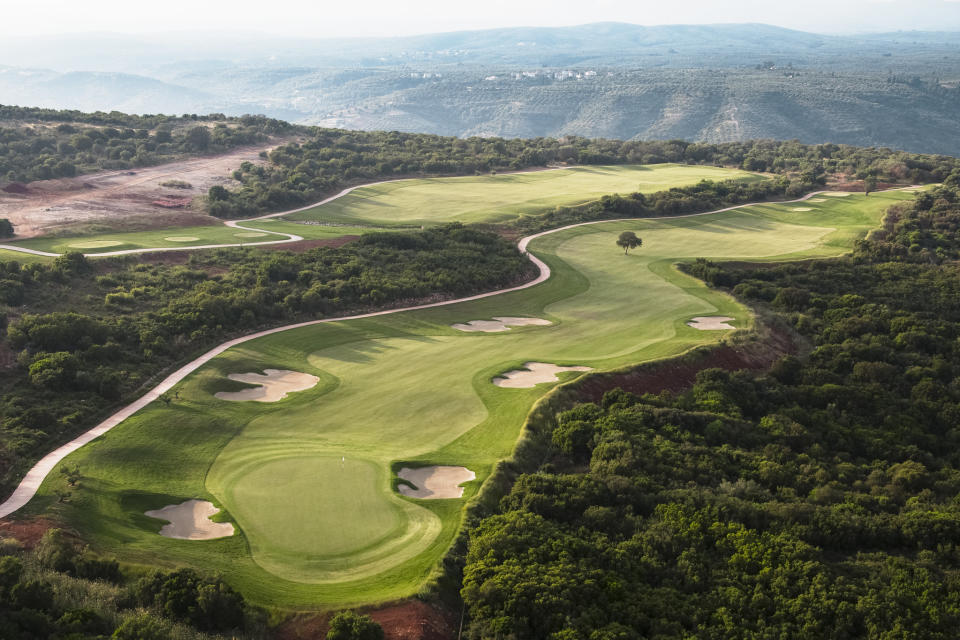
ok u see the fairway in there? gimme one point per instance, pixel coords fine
(183, 237)
(503, 197)
(308, 481)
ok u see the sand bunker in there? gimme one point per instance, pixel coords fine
(803, 209)
(181, 238)
(190, 520)
(817, 200)
(435, 483)
(836, 194)
(711, 323)
(96, 244)
(535, 373)
(275, 384)
(251, 234)
(499, 323)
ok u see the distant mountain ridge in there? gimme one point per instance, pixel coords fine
(701, 82)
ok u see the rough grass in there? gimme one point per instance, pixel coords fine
(308, 480)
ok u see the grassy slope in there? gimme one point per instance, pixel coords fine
(307, 479)
(502, 197)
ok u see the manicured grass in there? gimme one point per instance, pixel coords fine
(503, 197)
(183, 237)
(307, 480)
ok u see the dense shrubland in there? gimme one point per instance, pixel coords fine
(61, 590)
(299, 174)
(816, 500)
(128, 320)
(37, 144)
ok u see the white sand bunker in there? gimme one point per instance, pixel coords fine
(181, 238)
(803, 209)
(836, 194)
(190, 520)
(499, 323)
(435, 483)
(275, 384)
(817, 200)
(96, 244)
(251, 234)
(711, 323)
(533, 374)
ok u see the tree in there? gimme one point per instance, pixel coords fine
(628, 240)
(6, 228)
(869, 184)
(348, 625)
(199, 138)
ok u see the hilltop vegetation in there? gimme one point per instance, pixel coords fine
(38, 144)
(816, 500)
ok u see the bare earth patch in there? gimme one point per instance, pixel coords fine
(126, 200)
(711, 323)
(803, 209)
(274, 385)
(533, 374)
(435, 483)
(499, 323)
(190, 520)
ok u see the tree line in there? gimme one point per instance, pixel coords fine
(46, 143)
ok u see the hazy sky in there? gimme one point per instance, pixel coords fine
(326, 18)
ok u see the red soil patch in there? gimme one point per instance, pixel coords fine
(408, 620)
(679, 374)
(28, 532)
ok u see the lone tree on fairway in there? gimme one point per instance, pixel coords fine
(628, 240)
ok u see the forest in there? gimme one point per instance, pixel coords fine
(816, 499)
(39, 144)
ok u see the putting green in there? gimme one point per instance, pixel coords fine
(307, 480)
(502, 197)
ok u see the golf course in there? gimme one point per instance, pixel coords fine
(397, 204)
(308, 477)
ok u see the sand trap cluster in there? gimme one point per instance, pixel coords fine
(711, 323)
(181, 238)
(96, 244)
(190, 520)
(803, 208)
(499, 323)
(251, 234)
(274, 385)
(435, 483)
(533, 374)
(836, 194)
